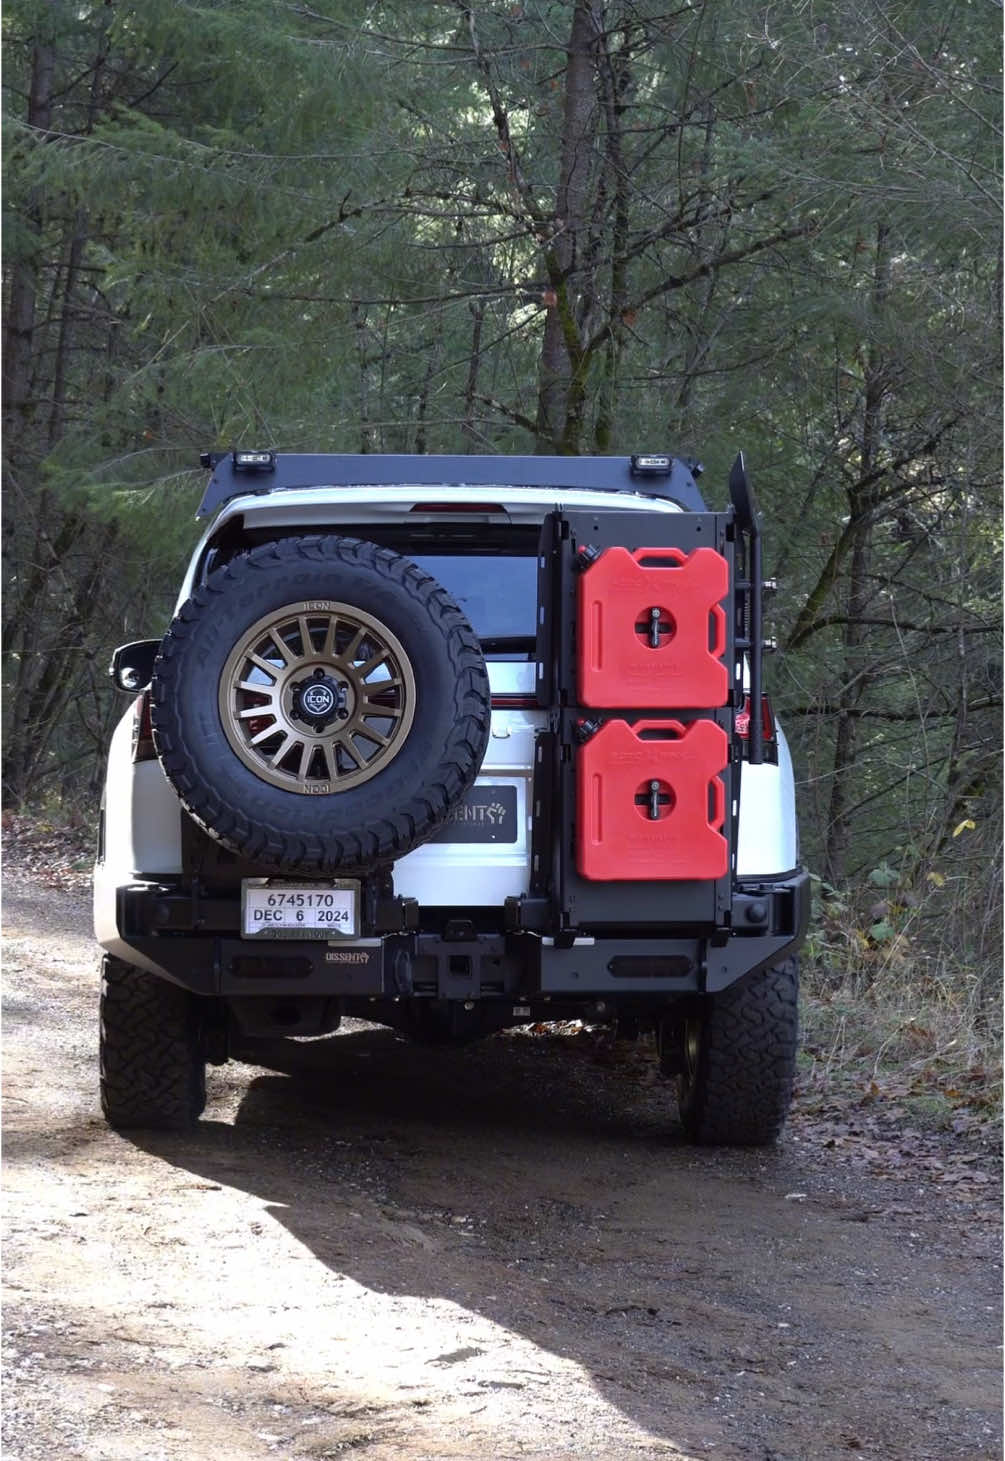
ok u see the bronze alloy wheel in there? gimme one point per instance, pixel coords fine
(317, 697)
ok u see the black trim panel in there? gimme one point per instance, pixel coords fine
(311, 469)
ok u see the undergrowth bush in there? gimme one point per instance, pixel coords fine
(897, 1004)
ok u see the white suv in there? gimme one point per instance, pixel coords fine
(454, 744)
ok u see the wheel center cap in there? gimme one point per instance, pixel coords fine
(318, 700)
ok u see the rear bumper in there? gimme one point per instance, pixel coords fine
(160, 927)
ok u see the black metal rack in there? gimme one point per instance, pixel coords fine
(569, 540)
(290, 470)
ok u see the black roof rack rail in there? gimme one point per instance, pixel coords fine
(332, 469)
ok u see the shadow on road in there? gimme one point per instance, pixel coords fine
(667, 1273)
(585, 1201)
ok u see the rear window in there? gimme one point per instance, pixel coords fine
(497, 592)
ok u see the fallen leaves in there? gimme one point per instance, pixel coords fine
(57, 856)
(871, 1130)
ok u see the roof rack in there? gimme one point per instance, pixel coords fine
(239, 473)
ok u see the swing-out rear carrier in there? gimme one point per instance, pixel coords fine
(641, 678)
(649, 657)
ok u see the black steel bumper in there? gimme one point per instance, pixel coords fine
(196, 943)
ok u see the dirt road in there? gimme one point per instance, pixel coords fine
(501, 1251)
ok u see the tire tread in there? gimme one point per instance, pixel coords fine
(747, 1062)
(152, 1067)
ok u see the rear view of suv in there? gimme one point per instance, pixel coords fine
(454, 744)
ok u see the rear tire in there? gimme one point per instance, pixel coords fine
(153, 1068)
(739, 1060)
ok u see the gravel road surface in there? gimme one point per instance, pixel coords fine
(504, 1251)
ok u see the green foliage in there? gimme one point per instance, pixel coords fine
(485, 228)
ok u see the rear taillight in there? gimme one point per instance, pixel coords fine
(143, 733)
(767, 719)
(514, 702)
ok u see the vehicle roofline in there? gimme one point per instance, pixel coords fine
(353, 503)
(673, 478)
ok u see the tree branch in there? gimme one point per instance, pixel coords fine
(670, 282)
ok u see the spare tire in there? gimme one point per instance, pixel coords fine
(320, 704)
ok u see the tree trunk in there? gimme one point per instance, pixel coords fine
(20, 332)
(474, 366)
(75, 255)
(855, 675)
(558, 367)
(614, 74)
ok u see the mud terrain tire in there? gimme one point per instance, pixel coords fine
(153, 1070)
(247, 650)
(740, 1061)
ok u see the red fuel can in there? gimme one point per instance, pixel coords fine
(651, 803)
(652, 629)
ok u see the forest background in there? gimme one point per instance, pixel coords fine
(600, 226)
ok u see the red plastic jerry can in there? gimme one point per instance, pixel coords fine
(651, 803)
(652, 629)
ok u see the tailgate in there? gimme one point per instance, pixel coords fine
(482, 856)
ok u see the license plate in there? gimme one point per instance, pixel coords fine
(272, 909)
